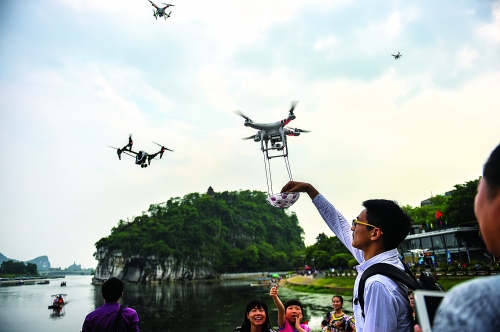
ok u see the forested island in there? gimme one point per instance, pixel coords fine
(202, 236)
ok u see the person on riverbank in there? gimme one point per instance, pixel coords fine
(256, 318)
(290, 314)
(338, 321)
(473, 305)
(373, 237)
(111, 314)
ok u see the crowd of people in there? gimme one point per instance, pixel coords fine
(372, 237)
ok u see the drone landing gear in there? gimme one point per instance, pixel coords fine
(280, 200)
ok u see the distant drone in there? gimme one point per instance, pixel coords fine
(275, 133)
(142, 156)
(397, 56)
(160, 12)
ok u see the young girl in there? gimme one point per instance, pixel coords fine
(289, 315)
(256, 318)
(338, 321)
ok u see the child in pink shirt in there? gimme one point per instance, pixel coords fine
(289, 315)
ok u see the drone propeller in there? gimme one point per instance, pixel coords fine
(166, 4)
(163, 147)
(294, 103)
(240, 113)
(299, 130)
(249, 137)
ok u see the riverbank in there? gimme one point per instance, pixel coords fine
(345, 285)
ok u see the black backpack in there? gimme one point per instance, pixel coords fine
(407, 278)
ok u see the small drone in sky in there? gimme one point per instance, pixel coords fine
(160, 11)
(276, 134)
(397, 56)
(142, 156)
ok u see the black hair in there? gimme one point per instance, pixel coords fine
(324, 322)
(390, 218)
(340, 298)
(294, 302)
(259, 304)
(491, 173)
(112, 289)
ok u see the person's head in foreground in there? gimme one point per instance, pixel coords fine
(256, 315)
(383, 223)
(487, 203)
(293, 311)
(112, 290)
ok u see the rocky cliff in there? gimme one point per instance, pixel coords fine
(145, 269)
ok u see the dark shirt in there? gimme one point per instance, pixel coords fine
(101, 319)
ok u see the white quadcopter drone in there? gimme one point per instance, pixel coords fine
(273, 136)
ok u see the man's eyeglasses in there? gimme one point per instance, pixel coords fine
(356, 221)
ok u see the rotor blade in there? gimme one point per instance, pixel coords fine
(299, 130)
(249, 137)
(109, 146)
(163, 147)
(240, 113)
(294, 103)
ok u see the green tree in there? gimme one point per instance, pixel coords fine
(461, 204)
(328, 252)
(18, 268)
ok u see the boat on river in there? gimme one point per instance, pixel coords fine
(261, 282)
(44, 282)
(58, 301)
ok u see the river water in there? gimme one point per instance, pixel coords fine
(201, 306)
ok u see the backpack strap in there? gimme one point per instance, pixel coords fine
(389, 271)
(117, 318)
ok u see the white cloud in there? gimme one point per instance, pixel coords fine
(466, 56)
(491, 31)
(327, 42)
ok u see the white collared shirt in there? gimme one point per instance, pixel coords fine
(386, 305)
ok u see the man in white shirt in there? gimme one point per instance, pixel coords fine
(371, 238)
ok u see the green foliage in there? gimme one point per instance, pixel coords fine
(18, 268)
(457, 209)
(461, 204)
(426, 215)
(230, 232)
(328, 252)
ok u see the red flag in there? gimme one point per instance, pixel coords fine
(439, 214)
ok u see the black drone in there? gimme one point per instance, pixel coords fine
(397, 56)
(142, 156)
(160, 11)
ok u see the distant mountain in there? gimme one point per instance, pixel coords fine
(42, 262)
(3, 258)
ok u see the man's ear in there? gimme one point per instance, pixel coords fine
(377, 233)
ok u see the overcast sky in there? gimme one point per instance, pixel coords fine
(79, 75)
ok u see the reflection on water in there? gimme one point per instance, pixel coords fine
(57, 313)
(204, 306)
